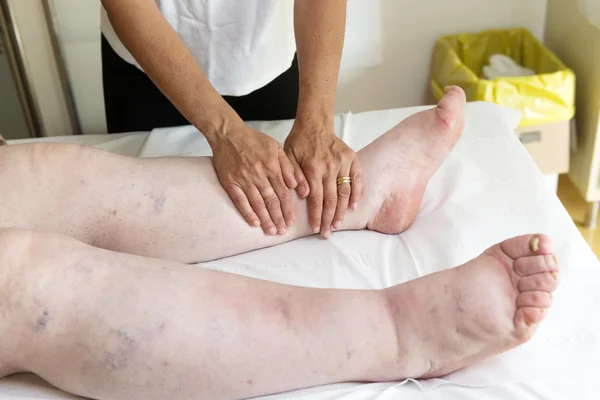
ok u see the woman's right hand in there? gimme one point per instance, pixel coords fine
(258, 176)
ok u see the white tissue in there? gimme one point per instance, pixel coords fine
(504, 66)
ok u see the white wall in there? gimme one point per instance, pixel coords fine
(409, 31)
(12, 120)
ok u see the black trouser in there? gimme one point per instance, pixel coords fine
(133, 103)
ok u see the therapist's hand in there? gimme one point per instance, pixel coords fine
(258, 176)
(320, 158)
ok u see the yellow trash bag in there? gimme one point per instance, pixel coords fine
(548, 96)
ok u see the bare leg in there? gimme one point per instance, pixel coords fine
(175, 208)
(112, 326)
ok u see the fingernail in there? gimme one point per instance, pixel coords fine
(291, 223)
(282, 231)
(255, 223)
(550, 296)
(554, 275)
(316, 229)
(272, 231)
(542, 311)
(555, 259)
(337, 225)
(326, 234)
(447, 89)
(354, 206)
(534, 244)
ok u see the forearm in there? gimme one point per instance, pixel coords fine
(166, 60)
(319, 27)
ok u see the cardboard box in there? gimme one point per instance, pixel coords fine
(548, 144)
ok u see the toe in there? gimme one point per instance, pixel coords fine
(546, 282)
(526, 320)
(450, 109)
(535, 299)
(532, 265)
(527, 245)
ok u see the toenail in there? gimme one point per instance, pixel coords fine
(554, 275)
(534, 244)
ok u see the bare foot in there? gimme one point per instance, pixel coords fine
(398, 165)
(461, 316)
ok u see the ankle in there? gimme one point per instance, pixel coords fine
(406, 360)
(356, 219)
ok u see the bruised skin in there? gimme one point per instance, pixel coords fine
(176, 209)
(114, 326)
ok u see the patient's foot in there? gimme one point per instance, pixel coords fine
(461, 316)
(398, 165)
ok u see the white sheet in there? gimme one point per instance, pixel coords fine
(487, 190)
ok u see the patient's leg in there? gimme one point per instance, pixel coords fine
(175, 208)
(113, 326)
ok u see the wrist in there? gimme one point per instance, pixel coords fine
(222, 124)
(315, 122)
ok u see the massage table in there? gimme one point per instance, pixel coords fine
(487, 190)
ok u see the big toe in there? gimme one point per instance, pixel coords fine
(450, 109)
(527, 245)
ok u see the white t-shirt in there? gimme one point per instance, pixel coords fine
(241, 45)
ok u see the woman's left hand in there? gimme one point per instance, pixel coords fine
(319, 159)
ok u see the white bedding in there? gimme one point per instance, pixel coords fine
(488, 190)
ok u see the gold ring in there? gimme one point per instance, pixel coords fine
(344, 179)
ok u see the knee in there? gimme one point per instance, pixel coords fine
(22, 245)
(12, 239)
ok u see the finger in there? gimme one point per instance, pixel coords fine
(330, 200)
(258, 205)
(287, 169)
(285, 199)
(273, 206)
(241, 203)
(343, 198)
(303, 189)
(315, 200)
(357, 184)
